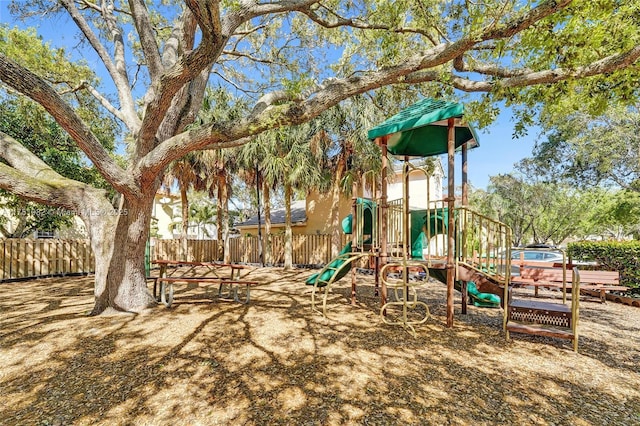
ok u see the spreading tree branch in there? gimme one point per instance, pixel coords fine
(275, 110)
(34, 87)
(32, 179)
(147, 37)
(117, 70)
(340, 21)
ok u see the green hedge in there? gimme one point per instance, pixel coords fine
(622, 256)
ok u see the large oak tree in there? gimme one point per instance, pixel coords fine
(292, 59)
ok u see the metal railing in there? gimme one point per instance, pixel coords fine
(483, 244)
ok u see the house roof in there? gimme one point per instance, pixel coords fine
(421, 129)
(298, 215)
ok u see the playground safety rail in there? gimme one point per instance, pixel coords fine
(483, 244)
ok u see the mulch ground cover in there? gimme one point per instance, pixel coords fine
(275, 361)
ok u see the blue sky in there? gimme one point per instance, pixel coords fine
(497, 153)
(498, 150)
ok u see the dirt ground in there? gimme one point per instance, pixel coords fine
(207, 361)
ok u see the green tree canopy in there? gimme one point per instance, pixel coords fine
(540, 212)
(617, 215)
(587, 150)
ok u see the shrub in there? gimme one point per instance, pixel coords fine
(622, 256)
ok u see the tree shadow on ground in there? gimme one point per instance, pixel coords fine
(275, 361)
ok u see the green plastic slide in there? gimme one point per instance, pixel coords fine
(482, 300)
(335, 265)
(438, 220)
(479, 299)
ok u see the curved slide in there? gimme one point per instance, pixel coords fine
(478, 298)
(336, 266)
(341, 265)
(438, 225)
(482, 300)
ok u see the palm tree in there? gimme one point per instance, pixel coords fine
(341, 134)
(202, 213)
(223, 167)
(291, 162)
(251, 159)
(189, 172)
(218, 105)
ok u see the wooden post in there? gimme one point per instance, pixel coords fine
(354, 237)
(465, 176)
(406, 226)
(383, 220)
(374, 261)
(465, 201)
(451, 196)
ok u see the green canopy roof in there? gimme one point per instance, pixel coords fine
(421, 129)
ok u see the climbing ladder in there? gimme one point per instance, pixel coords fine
(405, 295)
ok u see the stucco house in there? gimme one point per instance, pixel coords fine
(308, 216)
(167, 220)
(313, 214)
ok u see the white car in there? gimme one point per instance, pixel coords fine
(537, 255)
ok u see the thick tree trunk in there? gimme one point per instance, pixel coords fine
(118, 240)
(288, 234)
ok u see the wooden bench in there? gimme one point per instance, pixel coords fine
(591, 282)
(545, 318)
(166, 294)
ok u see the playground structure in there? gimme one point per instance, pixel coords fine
(456, 248)
(447, 240)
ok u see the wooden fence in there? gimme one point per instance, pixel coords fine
(307, 249)
(30, 258)
(196, 250)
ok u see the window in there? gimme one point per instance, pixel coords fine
(45, 234)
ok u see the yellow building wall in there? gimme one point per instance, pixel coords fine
(319, 213)
(318, 210)
(418, 190)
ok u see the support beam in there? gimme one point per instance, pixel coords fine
(465, 176)
(354, 237)
(382, 142)
(406, 228)
(465, 201)
(451, 196)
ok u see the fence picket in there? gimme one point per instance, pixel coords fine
(26, 258)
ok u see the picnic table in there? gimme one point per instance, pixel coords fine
(171, 272)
